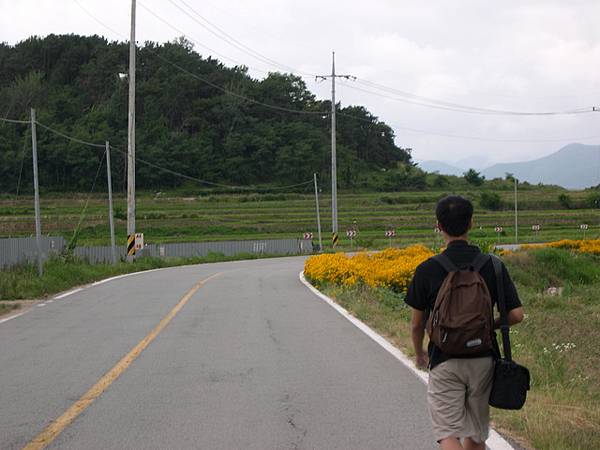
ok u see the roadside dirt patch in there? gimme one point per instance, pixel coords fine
(8, 307)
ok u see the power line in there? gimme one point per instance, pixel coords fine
(341, 113)
(430, 102)
(247, 24)
(479, 138)
(425, 101)
(235, 94)
(187, 36)
(467, 111)
(442, 105)
(21, 170)
(211, 183)
(85, 10)
(3, 119)
(458, 136)
(444, 108)
(223, 35)
(173, 172)
(90, 14)
(87, 201)
(204, 80)
(66, 136)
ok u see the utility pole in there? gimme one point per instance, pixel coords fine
(318, 213)
(131, 144)
(516, 214)
(113, 250)
(334, 206)
(36, 195)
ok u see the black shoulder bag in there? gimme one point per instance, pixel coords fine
(511, 380)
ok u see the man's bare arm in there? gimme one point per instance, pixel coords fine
(514, 317)
(418, 334)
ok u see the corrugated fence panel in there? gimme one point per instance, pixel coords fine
(15, 251)
(98, 255)
(231, 248)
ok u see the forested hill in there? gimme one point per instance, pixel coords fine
(194, 116)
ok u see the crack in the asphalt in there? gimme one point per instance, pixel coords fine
(291, 421)
(228, 377)
(272, 335)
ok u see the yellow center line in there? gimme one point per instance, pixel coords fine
(52, 431)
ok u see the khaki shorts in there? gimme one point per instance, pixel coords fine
(458, 394)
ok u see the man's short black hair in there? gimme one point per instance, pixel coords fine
(454, 213)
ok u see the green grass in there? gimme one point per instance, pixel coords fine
(558, 342)
(174, 217)
(60, 274)
(5, 308)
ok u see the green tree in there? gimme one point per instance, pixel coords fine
(473, 177)
(565, 201)
(194, 115)
(490, 200)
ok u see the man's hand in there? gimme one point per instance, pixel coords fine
(421, 360)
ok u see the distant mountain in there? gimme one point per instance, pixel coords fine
(476, 162)
(441, 167)
(575, 166)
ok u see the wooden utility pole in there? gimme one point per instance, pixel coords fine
(334, 205)
(131, 143)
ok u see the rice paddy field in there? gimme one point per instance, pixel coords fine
(180, 217)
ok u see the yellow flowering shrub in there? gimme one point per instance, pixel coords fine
(581, 246)
(392, 268)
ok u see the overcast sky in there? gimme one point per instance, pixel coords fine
(511, 55)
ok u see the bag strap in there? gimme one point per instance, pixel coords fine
(480, 261)
(446, 263)
(504, 327)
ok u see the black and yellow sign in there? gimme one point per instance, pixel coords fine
(334, 239)
(131, 245)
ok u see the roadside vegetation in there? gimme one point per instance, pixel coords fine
(60, 274)
(558, 342)
(194, 215)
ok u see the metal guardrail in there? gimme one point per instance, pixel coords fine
(14, 251)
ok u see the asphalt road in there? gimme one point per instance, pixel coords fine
(254, 360)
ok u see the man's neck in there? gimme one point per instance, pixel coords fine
(450, 239)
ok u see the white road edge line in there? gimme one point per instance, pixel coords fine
(494, 442)
(79, 289)
(66, 294)
(106, 280)
(14, 316)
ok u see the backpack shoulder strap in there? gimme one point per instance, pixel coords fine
(480, 261)
(504, 328)
(446, 263)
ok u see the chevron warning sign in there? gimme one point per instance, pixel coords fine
(131, 245)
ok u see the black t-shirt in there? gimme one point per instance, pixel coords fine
(430, 275)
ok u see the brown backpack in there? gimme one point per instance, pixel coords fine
(461, 321)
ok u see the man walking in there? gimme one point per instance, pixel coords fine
(459, 383)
